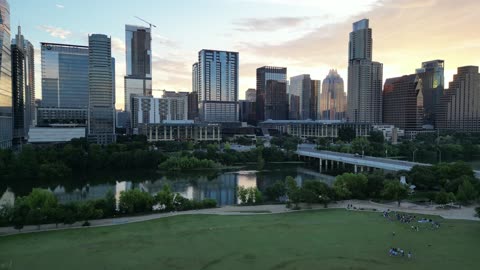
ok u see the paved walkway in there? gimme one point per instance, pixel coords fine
(465, 213)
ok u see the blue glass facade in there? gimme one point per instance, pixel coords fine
(64, 76)
(218, 73)
(6, 112)
(101, 110)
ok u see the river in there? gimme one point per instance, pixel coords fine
(198, 185)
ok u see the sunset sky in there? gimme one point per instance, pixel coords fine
(306, 36)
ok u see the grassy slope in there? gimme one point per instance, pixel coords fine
(331, 239)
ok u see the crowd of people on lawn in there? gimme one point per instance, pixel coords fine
(407, 219)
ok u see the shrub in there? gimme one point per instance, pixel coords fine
(251, 195)
(135, 201)
(209, 203)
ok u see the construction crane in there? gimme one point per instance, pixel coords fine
(146, 22)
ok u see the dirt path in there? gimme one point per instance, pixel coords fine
(465, 213)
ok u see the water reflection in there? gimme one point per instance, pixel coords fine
(219, 186)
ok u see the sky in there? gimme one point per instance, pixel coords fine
(306, 36)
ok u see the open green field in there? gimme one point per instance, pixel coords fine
(326, 239)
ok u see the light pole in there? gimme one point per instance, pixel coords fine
(414, 151)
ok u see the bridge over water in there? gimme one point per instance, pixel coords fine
(330, 160)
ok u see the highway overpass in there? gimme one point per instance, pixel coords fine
(330, 160)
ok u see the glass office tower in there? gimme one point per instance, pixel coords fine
(218, 85)
(264, 111)
(64, 75)
(101, 111)
(433, 78)
(365, 77)
(300, 97)
(138, 79)
(18, 94)
(6, 113)
(333, 101)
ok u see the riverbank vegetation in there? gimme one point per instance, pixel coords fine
(42, 207)
(442, 184)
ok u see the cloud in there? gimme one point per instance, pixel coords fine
(60, 6)
(56, 31)
(164, 41)
(118, 45)
(402, 39)
(269, 24)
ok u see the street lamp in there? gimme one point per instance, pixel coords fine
(414, 151)
(439, 155)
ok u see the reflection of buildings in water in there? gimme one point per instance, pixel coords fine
(8, 198)
(247, 179)
(86, 193)
(307, 174)
(222, 189)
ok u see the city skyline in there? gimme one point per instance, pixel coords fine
(291, 38)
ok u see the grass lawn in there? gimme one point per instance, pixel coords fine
(328, 239)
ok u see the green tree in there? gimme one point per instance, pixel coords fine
(165, 198)
(181, 203)
(317, 192)
(242, 194)
(275, 191)
(70, 211)
(293, 191)
(20, 213)
(346, 134)
(87, 211)
(444, 197)
(111, 204)
(423, 178)
(350, 186)
(375, 185)
(466, 192)
(6, 215)
(394, 190)
(361, 146)
(135, 201)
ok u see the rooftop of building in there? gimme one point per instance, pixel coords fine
(322, 122)
(62, 45)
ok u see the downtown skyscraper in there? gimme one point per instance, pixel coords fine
(364, 77)
(333, 101)
(18, 89)
(300, 97)
(215, 78)
(403, 102)
(101, 109)
(459, 107)
(433, 79)
(6, 110)
(271, 93)
(138, 79)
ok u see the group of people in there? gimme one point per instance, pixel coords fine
(407, 219)
(435, 225)
(399, 252)
(403, 218)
